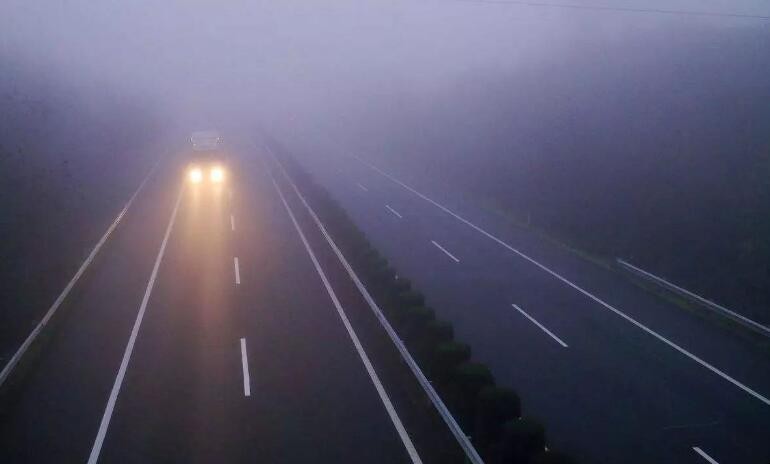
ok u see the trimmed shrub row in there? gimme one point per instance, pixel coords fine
(491, 414)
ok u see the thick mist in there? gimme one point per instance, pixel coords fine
(613, 130)
(293, 61)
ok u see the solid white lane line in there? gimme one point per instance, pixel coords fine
(445, 252)
(741, 319)
(237, 271)
(405, 439)
(470, 452)
(232, 223)
(99, 441)
(11, 364)
(704, 455)
(362, 187)
(245, 366)
(542, 327)
(596, 299)
(395, 213)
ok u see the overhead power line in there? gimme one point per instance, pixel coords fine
(574, 6)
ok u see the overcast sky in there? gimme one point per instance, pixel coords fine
(198, 55)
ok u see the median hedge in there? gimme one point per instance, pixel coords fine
(490, 414)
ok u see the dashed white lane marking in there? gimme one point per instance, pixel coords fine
(542, 327)
(569, 283)
(395, 213)
(704, 455)
(362, 187)
(99, 441)
(457, 260)
(232, 223)
(237, 271)
(400, 429)
(245, 366)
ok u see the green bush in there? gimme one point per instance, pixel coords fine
(368, 255)
(379, 263)
(411, 298)
(420, 315)
(468, 387)
(356, 239)
(438, 331)
(494, 407)
(552, 457)
(471, 377)
(433, 334)
(373, 263)
(413, 320)
(377, 270)
(522, 439)
(401, 285)
(446, 357)
(466, 382)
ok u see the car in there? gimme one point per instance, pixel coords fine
(205, 141)
(207, 161)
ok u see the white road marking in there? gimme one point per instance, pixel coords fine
(245, 365)
(232, 223)
(415, 457)
(691, 425)
(11, 364)
(99, 441)
(704, 455)
(470, 452)
(721, 310)
(362, 187)
(237, 271)
(445, 252)
(542, 327)
(596, 299)
(395, 213)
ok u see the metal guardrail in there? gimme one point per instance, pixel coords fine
(470, 451)
(719, 309)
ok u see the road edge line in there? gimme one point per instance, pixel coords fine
(17, 356)
(400, 429)
(107, 416)
(586, 293)
(462, 439)
(746, 322)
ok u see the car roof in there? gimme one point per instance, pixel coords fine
(205, 134)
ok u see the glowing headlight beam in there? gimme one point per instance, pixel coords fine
(217, 174)
(196, 175)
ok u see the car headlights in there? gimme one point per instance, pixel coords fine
(217, 174)
(195, 175)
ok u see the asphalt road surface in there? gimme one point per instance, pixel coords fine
(203, 332)
(615, 373)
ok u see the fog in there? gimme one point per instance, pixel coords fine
(577, 133)
(623, 132)
(306, 61)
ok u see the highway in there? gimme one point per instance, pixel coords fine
(213, 326)
(615, 373)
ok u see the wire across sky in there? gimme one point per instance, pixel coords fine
(575, 6)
